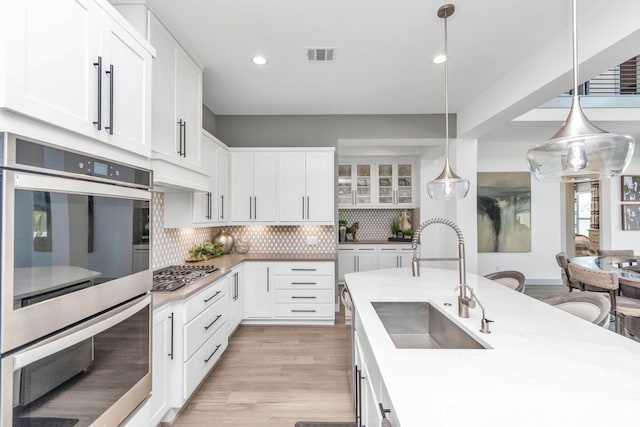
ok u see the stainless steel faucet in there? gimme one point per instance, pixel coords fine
(471, 303)
(464, 300)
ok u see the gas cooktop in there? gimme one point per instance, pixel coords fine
(172, 278)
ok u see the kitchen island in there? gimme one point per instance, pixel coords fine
(543, 366)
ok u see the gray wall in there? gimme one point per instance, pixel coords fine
(208, 120)
(326, 130)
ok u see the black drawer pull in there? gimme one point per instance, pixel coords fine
(303, 297)
(214, 321)
(214, 352)
(303, 269)
(383, 411)
(212, 297)
(303, 283)
(303, 311)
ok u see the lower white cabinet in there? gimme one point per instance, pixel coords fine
(189, 337)
(365, 257)
(163, 362)
(257, 286)
(289, 291)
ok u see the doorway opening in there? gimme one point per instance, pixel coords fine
(585, 211)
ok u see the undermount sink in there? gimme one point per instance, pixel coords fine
(416, 324)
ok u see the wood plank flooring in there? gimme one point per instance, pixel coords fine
(276, 376)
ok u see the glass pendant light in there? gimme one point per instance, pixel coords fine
(580, 151)
(447, 185)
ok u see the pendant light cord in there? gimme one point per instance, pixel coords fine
(575, 47)
(446, 93)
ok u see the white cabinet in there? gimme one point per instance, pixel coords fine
(253, 185)
(365, 257)
(202, 208)
(257, 298)
(355, 185)
(304, 290)
(205, 203)
(237, 296)
(377, 184)
(223, 184)
(177, 113)
(354, 258)
(82, 71)
(305, 187)
(163, 362)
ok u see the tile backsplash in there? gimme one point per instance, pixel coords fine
(375, 224)
(171, 245)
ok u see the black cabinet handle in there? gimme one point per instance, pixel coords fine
(211, 355)
(206, 328)
(98, 64)
(303, 283)
(184, 139)
(111, 77)
(303, 269)
(209, 208)
(302, 207)
(255, 207)
(294, 297)
(212, 297)
(307, 207)
(250, 207)
(383, 412)
(267, 279)
(222, 207)
(171, 352)
(303, 311)
(180, 137)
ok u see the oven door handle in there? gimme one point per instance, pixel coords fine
(78, 333)
(28, 181)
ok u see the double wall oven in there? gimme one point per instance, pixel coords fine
(75, 307)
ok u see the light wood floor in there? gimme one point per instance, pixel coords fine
(276, 376)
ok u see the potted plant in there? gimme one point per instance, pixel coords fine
(395, 229)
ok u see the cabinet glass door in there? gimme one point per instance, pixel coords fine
(405, 184)
(345, 183)
(385, 184)
(363, 184)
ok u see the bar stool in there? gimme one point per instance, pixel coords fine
(630, 312)
(590, 306)
(563, 263)
(509, 278)
(607, 281)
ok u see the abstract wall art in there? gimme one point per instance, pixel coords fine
(504, 212)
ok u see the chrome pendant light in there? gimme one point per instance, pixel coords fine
(580, 151)
(447, 185)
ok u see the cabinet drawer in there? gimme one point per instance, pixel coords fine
(304, 268)
(304, 296)
(196, 368)
(303, 282)
(205, 298)
(204, 325)
(293, 310)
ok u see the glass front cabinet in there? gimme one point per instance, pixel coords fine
(377, 184)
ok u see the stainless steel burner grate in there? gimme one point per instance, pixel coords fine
(169, 279)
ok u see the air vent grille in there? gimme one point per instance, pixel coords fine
(321, 54)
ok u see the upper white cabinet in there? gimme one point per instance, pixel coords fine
(205, 208)
(177, 153)
(377, 184)
(75, 64)
(253, 184)
(305, 187)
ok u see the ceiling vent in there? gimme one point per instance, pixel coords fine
(321, 54)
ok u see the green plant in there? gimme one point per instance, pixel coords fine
(408, 232)
(342, 222)
(395, 226)
(205, 250)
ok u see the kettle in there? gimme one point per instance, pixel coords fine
(226, 239)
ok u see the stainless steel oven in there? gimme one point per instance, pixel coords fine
(72, 226)
(108, 386)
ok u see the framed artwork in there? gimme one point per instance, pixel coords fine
(504, 212)
(630, 216)
(630, 191)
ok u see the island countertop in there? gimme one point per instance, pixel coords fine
(545, 367)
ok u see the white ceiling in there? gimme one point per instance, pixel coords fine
(384, 51)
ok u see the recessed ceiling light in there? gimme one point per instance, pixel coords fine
(259, 60)
(439, 59)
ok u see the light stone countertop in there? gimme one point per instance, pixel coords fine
(545, 367)
(225, 263)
